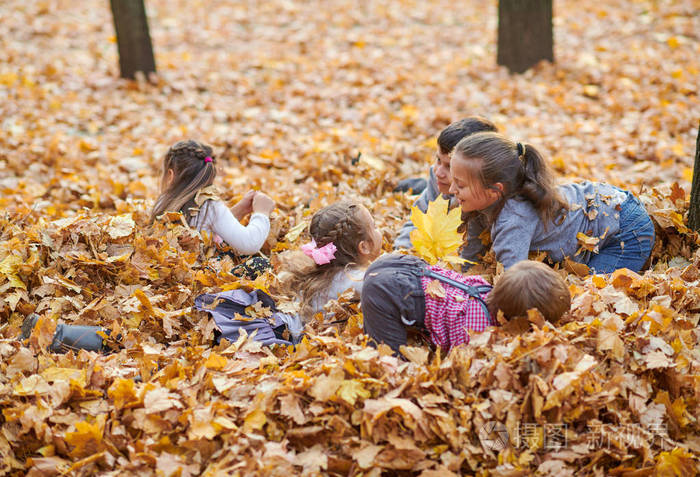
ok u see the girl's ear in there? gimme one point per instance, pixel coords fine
(501, 189)
(364, 247)
(168, 178)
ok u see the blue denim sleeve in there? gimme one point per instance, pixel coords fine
(513, 231)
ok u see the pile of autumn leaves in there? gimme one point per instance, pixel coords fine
(616, 383)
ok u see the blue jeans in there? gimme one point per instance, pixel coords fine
(631, 246)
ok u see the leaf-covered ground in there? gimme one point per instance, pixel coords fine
(289, 93)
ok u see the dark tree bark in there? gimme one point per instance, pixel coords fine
(524, 33)
(133, 39)
(694, 210)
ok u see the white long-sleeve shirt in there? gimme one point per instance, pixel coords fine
(215, 217)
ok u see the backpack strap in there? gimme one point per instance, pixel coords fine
(471, 290)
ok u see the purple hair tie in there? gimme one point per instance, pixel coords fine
(208, 159)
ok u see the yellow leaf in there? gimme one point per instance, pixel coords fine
(31, 386)
(436, 235)
(87, 146)
(215, 361)
(678, 408)
(591, 90)
(121, 226)
(415, 354)
(87, 438)
(257, 310)
(8, 268)
(54, 374)
(8, 79)
(688, 174)
(122, 392)
(373, 162)
(587, 243)
(673, 42)
(431, 143)
(599, 281)
(295, 231)
(409, 112)
(677, 462)
(146, 304)
(351, 389)
(206, 193)
(254, 421)
(325, 386)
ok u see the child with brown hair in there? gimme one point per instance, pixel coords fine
(439, 180)
(508, 189)
(403, 291)
(189, 167)
(344, 240)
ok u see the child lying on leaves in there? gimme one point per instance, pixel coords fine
(403, 291)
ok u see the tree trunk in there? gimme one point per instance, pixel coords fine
(524, 33)
(694, 210)
(133, 39)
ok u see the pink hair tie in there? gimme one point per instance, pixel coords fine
(322, 255)
(208, 159)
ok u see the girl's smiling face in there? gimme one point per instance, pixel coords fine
(468, 188)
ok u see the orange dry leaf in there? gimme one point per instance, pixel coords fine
(676, 463)
(254, 421)
(122, 392)
(587, 243)
(215, 361)
(87, 438)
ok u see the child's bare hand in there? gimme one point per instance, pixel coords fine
(262, 203)
(244, 206)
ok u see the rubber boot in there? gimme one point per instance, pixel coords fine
(67, 336)
(77, 337)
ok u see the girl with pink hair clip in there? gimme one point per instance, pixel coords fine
(344, 241)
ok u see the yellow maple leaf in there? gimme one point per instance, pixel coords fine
(436, 237)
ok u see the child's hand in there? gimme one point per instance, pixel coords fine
(244, 206)
(262, 203)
